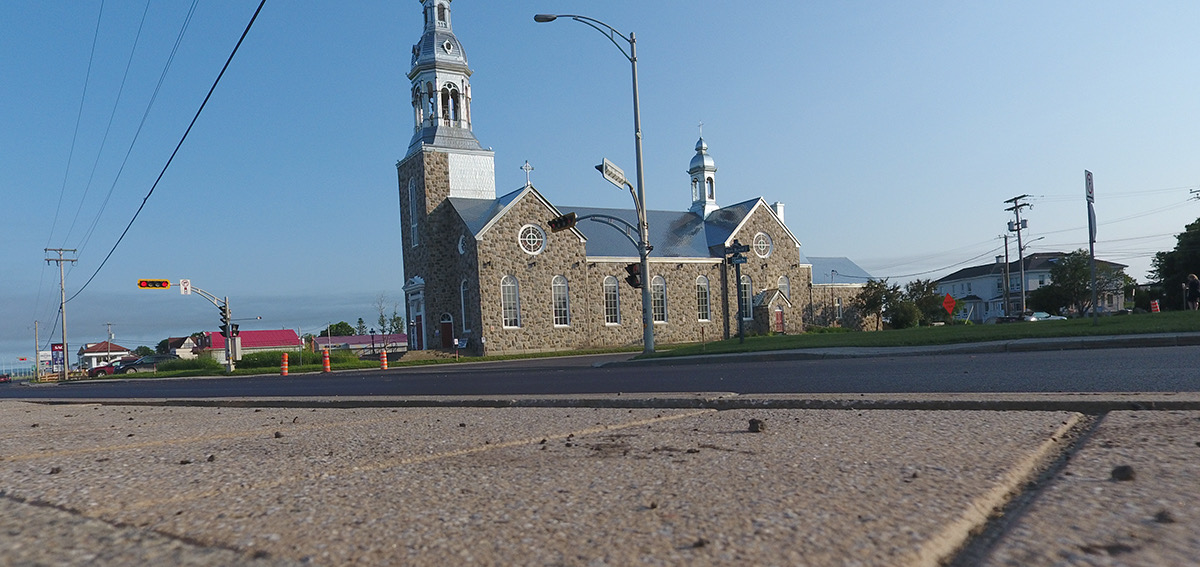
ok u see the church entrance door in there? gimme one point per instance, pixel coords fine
(447, 331)
(778, 319)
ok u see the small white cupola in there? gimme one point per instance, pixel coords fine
(703, 173)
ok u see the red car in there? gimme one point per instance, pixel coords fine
(111, 368)
(5, 378)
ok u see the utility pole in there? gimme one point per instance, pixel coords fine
(1007, 279)
(37, 355)
(1017, 227)
(62, 288)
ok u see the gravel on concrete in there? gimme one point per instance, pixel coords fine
(558, 486)
(1150, 515)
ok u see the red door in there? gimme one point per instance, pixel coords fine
(778, 320)
(418, 338)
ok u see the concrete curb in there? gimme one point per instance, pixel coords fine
(991, 347)
(1086, 403)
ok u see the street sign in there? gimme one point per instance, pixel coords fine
(1088, 191)
(948, 303)
(737, 259)
(737, 249)
(613, 173)
(185, 287)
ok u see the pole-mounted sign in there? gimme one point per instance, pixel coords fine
(185, 287)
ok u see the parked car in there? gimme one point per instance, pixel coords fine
(110, 368)
(146, 363)
(5, 378)
(1042, 316)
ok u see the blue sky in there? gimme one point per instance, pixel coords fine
(893, 132)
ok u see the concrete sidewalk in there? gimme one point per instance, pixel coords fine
(661, 480)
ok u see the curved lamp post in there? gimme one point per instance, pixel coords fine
(639, 200)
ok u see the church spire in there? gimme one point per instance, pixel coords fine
(441, 84)
(703, 171)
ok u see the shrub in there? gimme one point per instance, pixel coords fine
(202, 363)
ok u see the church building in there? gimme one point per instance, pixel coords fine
(485, 273)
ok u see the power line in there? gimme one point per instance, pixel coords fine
(176, 151)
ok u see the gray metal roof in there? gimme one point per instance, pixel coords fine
(673, 234)
(823, 268)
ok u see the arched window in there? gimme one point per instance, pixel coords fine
(658, 299)
(442, 13)
(785, 286)
(746, 298)
(510, 302)
(708, 185)
(562, 301)
(413, 237)
(612, 301)
(695, 189)
(449, 104)
(462, 298)
(703, 311)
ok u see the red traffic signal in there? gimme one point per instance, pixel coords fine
(562, 223)
(634, 279)
(154, 284)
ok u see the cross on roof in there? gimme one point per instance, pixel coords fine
(528, 168)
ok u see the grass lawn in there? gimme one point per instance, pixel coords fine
(1167, 322)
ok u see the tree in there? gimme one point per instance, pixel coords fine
(1170, 269)
(924, 295)
(392, 325)
(143, 351)
(875, 298)
(162, 346)
(904, 314)
(360, 328)
(339, 329)
(1070, 283)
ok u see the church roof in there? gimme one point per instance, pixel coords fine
(823, 268)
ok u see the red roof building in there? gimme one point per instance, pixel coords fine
(213, 344)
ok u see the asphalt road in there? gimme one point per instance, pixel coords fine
(1162, 369)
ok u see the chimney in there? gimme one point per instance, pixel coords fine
(778, 208)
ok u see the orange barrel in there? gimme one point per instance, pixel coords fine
(283, 365)
(383, 360)
(325, 360)
(1154, 306)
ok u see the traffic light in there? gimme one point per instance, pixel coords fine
(224, 321)
(154, 284)
(562, 223)
(634, 279)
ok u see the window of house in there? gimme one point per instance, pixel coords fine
(703, 309)
(562, 301)
(612, 301)
(708, 184)
(837, 307)
(658, 299)
(695, 189)
(510, 302)
(746, 298)
(785, 285)
(532, 239)
(762, 245)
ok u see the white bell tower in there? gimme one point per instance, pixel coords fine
(703, 173)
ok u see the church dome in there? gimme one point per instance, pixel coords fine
(702, 160)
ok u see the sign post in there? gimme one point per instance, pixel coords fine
(735, 257)
(1090, 195)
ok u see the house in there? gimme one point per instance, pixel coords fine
(484, 270)
(363, 345)
(183, 347)
(212, 344)
(92, 355)
(980, 290)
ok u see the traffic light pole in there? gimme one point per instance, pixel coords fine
(226, 323)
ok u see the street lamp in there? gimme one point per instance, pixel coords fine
(639, 200)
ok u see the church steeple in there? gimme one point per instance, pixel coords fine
(441, 85)
(703, 172)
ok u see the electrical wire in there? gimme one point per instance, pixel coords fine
(176, 151)
(111, 115)
(145, 114)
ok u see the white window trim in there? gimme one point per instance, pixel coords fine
(554, 301)
(521, 242)
(516, 299)
(617, 293)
